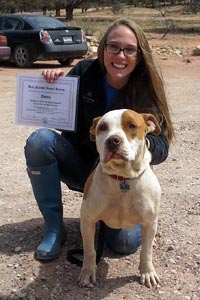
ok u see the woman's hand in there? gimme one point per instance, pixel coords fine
(51, 75)
(151, 127)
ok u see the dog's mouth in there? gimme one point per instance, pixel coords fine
(114, 149)
(113, 156)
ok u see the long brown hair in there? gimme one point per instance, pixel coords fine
(144, 91)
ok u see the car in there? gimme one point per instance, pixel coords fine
(4, 49)
(34, 37)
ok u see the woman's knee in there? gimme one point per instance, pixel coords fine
(39, 147)
(123, 241)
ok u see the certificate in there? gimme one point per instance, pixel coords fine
(43, 104)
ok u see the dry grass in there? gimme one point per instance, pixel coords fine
(95, 22)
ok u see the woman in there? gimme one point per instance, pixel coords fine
(123, 76)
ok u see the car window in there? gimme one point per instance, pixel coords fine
(12, 24)
(44, 22)
(7, 25)
(18, 24)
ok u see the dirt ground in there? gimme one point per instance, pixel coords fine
(176, 254)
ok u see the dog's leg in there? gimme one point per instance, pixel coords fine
(87, 275)
(148, 273)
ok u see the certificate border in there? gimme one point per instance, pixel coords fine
(70, 123)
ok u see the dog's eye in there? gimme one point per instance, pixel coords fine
(131, 126)
(103, 127)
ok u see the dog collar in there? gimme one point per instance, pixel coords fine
(120, 178)
(123, 184)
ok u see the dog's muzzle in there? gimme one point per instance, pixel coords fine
(114, 149)
(113, 143)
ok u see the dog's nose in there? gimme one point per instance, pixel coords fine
(113, 143)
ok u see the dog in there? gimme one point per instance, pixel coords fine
(122, 191)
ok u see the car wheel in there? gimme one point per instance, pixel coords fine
(65, 61)
(22, 57)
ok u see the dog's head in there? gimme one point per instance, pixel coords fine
(120, 136)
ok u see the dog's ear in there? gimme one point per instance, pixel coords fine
(93, 128)
(152, 124)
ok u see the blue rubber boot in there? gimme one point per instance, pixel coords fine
(47, 191)
(123, 241)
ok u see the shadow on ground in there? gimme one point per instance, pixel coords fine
(52, 280)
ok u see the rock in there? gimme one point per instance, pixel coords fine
(170, 248)
(20, 295)
(196, 51)
(93, 49)
(18, 249)
(89, 38)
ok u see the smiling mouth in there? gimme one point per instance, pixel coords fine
(119, 66)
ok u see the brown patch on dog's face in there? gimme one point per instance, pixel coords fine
(133, 125)
(136, 125)
(93, 132)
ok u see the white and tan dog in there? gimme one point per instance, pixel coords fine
(122, 191)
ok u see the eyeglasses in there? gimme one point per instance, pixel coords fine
(114, 49)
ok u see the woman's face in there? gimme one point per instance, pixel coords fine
(120, 65)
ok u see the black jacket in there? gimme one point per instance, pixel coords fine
(91, 103)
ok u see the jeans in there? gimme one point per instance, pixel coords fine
(45, 147)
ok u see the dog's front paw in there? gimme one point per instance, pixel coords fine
(87, 277)
(150, 279)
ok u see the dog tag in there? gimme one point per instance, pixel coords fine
(124, 186)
